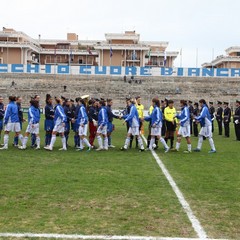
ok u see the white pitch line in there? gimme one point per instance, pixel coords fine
(102, 237)
(193, 219)
(195, 223)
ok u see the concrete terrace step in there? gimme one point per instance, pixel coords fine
(176, 88)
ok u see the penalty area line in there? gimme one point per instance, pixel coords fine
(193, 219)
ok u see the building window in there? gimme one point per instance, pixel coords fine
(59, 59)
(62, 46)
(48, 59)
(80, 60)
(238, 54)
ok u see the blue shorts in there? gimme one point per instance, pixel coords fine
(110, 127)
(48, 125)
(76, 127)
(67, 126)
(1, 124)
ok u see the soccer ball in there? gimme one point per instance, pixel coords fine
(154, 146)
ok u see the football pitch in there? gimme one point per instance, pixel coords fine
(115, 193)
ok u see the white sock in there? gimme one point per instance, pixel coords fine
(20, 137)
(200, 141)
(105, 142)
(100, 143)
(163, 142)
(81, 143)
(127, 141)
(38, 141)
(152, 141)
(178, 145)
(24, 141)
(5, 140)
(64, 142)
(212, 144)
(86, 142)
(53, 140)
(140, 142)
(189, 147)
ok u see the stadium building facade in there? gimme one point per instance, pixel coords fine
(118, 49)
(230, 60)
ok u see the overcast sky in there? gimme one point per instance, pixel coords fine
(206, 27)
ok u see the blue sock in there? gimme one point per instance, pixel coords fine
(75, 140)
(66, 136)
(15, 140)
(78, 141)
(46, 139)
(109, 140)
(33, 138)
(49, 138)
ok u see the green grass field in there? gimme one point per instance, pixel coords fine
(120, 193)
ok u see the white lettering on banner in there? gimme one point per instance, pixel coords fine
(120, 71)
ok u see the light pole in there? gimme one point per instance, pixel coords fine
(196, 57)
(212, 57)
(39, 58)
(180, 57)
(7, 50)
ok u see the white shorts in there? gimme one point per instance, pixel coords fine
(156, 131)
(82, 131)
(33, 128)
(13, 127)
(59, 128)
(184, 131)
(103, 130)
(134, 131)
(206, 131)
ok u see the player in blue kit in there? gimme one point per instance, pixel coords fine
(33, 124)
(11, 122)
(82, 120)
(206, 127)
(1, 115)
(133, 120)
(185, 128)
(102, 127)
(59, 126)
(156, 119)
(49, 122)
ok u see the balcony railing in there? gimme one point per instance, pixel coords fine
(68, 52)
(154, 64)
(225, 59)
(132, 59)
(20, 44)
(76, 63)
(105, 46)
(18, 34)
